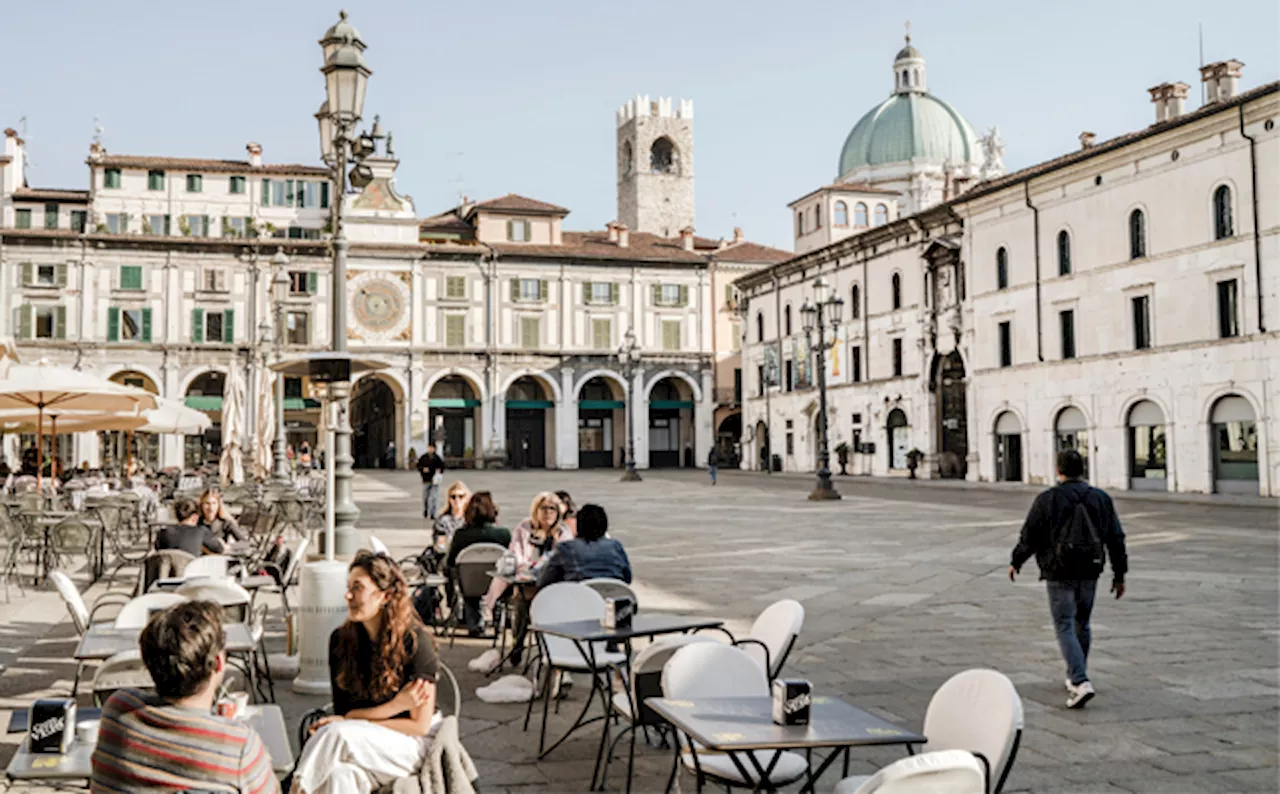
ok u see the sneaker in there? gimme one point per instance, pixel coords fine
(1080, 695)
(1070, 686)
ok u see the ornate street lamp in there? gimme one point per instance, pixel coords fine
(280, 293)
(629, 359)
(820, 315)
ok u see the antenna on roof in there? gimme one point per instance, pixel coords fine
(458, 182)
(98, 129)
(1203, 98)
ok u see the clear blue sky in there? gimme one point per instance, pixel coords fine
(506, 96)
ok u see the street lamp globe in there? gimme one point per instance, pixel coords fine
(808, 315)
(325, 120)
(342, 32)
(280, 282)
(346, 78)
(835, 307)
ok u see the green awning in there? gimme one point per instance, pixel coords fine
(530, 404)
(600, 405)
(451, 402)
(300, 403)
(670, 404)
(205, 403)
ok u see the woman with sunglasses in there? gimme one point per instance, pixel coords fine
(382, 669)
(452, 516)
(532, 541)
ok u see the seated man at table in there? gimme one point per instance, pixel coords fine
(171, 741)
(591, 555)
(188, 534)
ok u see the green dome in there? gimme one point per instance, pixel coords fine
(907, 126)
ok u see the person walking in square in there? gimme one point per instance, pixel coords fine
(713, 464)
(431, 466)
(1070, 529)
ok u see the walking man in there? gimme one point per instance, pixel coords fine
(431, 466)
(1070, 529)
(713, 463)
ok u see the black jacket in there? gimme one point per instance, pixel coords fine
(429, 465)
(1049, 515)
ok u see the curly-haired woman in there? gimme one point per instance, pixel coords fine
(382, 668)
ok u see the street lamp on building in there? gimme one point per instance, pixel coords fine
(280, 293)
(821, 315)
(629, 359)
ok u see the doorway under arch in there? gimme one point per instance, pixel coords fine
(761, 442)
(899, 433)
(951, 387)
(530, 423)
(602, 434)
(113, 445)
(1008, 433)
(205, 394)
(1234, 446)
(671, 424)
(374, 411)
(1071, 431)
(729, 441)
(455, 419)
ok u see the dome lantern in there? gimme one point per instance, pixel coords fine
(908, 70)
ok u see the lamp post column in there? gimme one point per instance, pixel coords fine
(345, 512)
(281, 472)
(824, 489)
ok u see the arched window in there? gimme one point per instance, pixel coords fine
(906, 78)
(897, 291)
(628, 158)
(1222, 226)
(1064, 253)
(800, 223)
(882, 215)
(1002, 268)
(859, 214)
(842, 214)
(817, 217)
(855, 302)
(662, 156)
(786, 319)
(1137, 235)
(759, 326)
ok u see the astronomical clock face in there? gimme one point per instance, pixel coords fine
(379, 303)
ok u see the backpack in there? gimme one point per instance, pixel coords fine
(1078, 552)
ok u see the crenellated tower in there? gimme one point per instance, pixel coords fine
(655, 165)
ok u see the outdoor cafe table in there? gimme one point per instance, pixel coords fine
(102, 640)
(77, 762)
(586, 635)
(742, 727)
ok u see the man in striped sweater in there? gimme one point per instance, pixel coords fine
(171, 741)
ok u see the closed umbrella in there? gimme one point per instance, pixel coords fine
(266, 429)
(231, 465)
(50, 389)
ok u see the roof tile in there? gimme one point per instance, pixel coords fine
(198, 164)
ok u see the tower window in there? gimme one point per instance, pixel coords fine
(855, 302)
(662, 156)
(896, 286)
(786, 319)
(882, 215)
(1222, 227)
(859, 214)
(906, 78)
(1002, 268)
(759, 326)
(817, 217)
(842, 214)
(628, 158)
(1137, 235)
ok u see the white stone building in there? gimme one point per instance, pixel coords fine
(501, 328)
(1122, 299)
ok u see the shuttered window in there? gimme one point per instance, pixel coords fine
(530, 332)
(24, 219)
(671, 335)
(155, 180)
(600, 293)
(529, 290)
(455, 287)
(128, 325)
(676, 295)
(111, 178)
(601, 333)
(131, 277)
(455, 330)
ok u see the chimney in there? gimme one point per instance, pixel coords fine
(624, 235)
(255, 154)
(1086, 139)
(737, 235)
(1170, 99)
(1221, 80)
(612, 226)
(686, 238)
(14, 176)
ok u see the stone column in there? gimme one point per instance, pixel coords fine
(639, 407)
(704, 421)
(170, 445)
(567, 422)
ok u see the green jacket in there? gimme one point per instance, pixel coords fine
(469, 536)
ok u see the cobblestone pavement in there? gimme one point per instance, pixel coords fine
(903, 586)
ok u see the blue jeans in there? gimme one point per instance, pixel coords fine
(1071, 604)
(429, 493)
(712, 471)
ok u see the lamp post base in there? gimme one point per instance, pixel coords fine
(631, 475)
(820, 494)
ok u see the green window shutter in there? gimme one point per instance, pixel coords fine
(197, 325)
(28, 273)
(113, 324)
(131, 277)
(146, 324)
(288, 192)
(60, 322)
(543, 289)
(207, 232)
(229, 326)
(684, 295)
(510, 230)
(515, 289)
(124, 223)
(324, 195)
(613, 294)
(312, 282)
(657, 294)
(60, 274)
(266, 192)
(27, 319)
(586, 292)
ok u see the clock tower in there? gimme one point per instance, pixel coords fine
(655, 165)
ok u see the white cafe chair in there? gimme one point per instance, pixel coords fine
(976, 710)
(940, 772)
(136, 613)
(713, 670)
(124, 670)
(81, 615)
(377, 546)
(773, 635)
(613, 588)
(212, 565)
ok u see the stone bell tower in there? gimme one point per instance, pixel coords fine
(655, 165)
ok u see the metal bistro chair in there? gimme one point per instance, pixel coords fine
(22, 542)
(124, 670)
(81, 615)
(471, 579)
(448, 704)
(137, 611)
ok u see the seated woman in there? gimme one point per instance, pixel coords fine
(480, 527)
(532, 541)
(382, 669)
(568, 512)
(452, 516)
(591, 555)
(214, 515)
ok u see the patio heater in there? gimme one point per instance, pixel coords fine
(820, 316)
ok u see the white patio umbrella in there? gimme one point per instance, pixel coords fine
(173, 417)
(51, 389)
(231, 465)
(265, 435)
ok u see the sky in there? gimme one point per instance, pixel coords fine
(502, 97)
